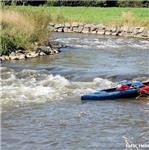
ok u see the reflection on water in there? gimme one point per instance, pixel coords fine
(41, 96)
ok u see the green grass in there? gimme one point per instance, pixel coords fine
(133, 16)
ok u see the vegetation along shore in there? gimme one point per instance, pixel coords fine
(25, 29)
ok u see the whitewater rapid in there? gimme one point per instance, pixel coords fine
(32, 86)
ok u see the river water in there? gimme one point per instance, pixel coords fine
(41, 107)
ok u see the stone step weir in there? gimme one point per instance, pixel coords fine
(139, 32)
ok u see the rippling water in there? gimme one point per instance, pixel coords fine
(41, 107)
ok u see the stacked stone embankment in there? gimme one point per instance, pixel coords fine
(139, 32)
(20, 54)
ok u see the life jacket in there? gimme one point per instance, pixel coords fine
(144, 90)
(122, 88)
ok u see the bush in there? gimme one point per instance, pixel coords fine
(22, 28)
(8, 44)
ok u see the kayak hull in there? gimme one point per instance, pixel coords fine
(111, 94)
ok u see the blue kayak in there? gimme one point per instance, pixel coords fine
(113, 93)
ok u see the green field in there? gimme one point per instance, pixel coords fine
(114, 15)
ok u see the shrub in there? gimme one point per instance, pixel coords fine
(22, 28)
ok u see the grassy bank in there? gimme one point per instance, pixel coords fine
(23, 26)
(130, 16)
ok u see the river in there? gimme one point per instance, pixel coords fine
(41, 107)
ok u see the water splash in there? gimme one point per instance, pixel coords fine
(31, 86)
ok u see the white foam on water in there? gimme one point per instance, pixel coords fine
(31, 86)
(104, 42)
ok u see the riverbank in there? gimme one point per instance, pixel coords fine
(101, 29)
(51, 49)
(24, 28)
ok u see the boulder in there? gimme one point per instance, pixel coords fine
(108, 32)
(101, 32)
(67, 25)
(136, 30)
(145, 33)
(57, 26)
(12, 54)
(51, 28)
(44, 49)
(60, 30)
(31, 55)
(13, 57)
(85, 30)
(41, 54)
(65, 29)
(113, 29)
(93, 28)
(88, 25)
(80, 29)
(75, 29)
(21, 56)
(93, 32)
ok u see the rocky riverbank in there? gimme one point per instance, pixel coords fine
(20, 53)
(139, 32)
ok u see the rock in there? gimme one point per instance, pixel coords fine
(45, 49)
(13, 57)
(4, 57)
(12, 54)
(55, 51)
(141, 29)
(56, 45)
(31, 55)
(65, 29)
(20, 50)
(60, 30)
(136, 30)
(145, 33)
(20, 56)
(93, 32)
(67, 25)
(75, 29)
(88, 25)
(118, 32)
(41, 54)
(93, 28)
(114, 33)
(113, 29)
(85, 30)
(69, 30)
(108, 33)
(101, 32)
(51, 28)
(57, 26)
(130, 30)
(80, 28)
